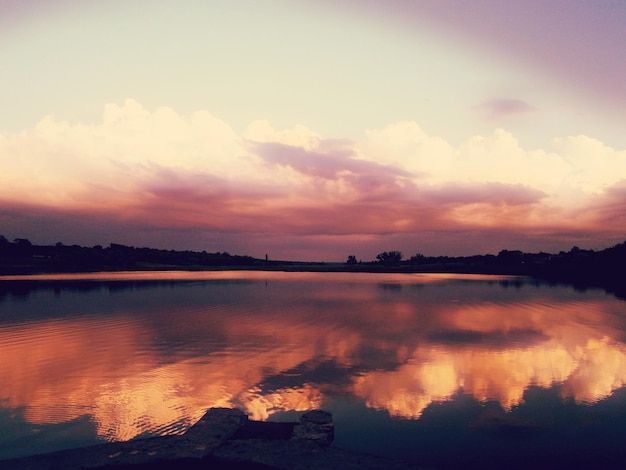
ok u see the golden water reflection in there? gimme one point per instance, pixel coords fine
(397, 349)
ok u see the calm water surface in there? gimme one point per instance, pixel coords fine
(442, 370)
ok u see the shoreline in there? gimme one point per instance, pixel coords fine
(609, 281)
(578, 267)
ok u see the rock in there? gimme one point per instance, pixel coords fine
(217, 425)
(317, 426)
(223, 438)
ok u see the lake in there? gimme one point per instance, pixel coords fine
(438, 369)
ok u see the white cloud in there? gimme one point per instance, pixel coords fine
(406, 145)
(58, 159)
(593, 166)
(574, 164)
(298, 136)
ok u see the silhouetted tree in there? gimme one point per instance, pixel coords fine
(418, 259)
(511, 257)
(22, 247)
(5, 246)
(389, 257)
(351, 259)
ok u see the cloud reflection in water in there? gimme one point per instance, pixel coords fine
(152, 360)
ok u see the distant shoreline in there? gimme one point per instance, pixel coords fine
(581, 268)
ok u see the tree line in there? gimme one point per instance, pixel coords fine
(23, 256)
(605, 268)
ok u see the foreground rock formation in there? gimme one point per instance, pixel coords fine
(222, 439)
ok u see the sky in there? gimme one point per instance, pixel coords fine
(314, 130)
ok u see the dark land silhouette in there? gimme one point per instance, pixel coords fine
(582, 268)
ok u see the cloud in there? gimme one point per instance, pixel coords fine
(328, 163)
(498, 109)
(608, 208)
(490, 193)
(194, 179)
(593, 165)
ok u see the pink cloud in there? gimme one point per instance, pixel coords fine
(15, 15)
(490, 193)
(323, 164)
(180, 208)
(609, 209)
(503, 108)
(316, 234)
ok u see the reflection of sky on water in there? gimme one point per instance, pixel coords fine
(150, 358)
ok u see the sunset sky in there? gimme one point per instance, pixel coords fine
(317, 129)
